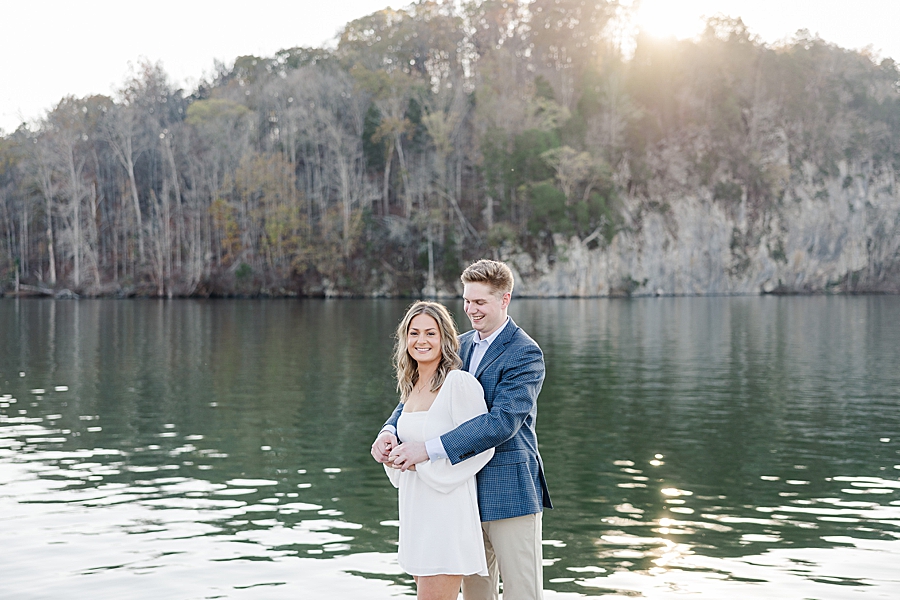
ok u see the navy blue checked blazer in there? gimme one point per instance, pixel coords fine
(512, 484)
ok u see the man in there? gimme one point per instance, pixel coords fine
(512, 491)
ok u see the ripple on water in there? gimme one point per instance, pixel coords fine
(709, 449)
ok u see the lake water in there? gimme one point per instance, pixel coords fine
(704, 447)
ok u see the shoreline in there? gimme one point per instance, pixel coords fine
(67, 294)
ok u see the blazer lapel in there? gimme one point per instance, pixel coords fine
(465, 351)
(497, 347)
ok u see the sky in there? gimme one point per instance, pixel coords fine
(53, 48)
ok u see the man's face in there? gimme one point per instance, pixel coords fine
(485, 308)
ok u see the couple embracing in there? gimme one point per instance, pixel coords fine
(462, 449)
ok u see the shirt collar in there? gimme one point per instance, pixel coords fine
(490, 339)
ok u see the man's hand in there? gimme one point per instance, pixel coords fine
(384, 443)
(408, 454)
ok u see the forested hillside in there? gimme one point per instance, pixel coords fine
(438, 134)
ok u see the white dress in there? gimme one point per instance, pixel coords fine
(440, 528)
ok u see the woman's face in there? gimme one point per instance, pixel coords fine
(423, 340)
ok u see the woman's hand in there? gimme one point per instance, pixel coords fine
(408, 454)
(393, 466)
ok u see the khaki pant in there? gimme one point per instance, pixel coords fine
(514, 554)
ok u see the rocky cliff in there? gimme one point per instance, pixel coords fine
(825, 234)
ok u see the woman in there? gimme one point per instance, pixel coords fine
(440, 528)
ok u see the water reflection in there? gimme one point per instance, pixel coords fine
(743, 446)
(710, 433)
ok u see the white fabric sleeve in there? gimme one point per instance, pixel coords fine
(390, 429)
(466, 402)
(393, 474)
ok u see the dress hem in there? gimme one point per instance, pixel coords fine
(431, 574)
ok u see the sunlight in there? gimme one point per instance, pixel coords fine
(666, 19)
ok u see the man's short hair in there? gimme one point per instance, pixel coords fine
(492, 272)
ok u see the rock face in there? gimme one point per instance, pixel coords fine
(836, 234)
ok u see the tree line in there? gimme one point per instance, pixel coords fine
(429, 136)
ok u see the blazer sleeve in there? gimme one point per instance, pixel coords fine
(466, 402)
(395, 416)
(515, 398)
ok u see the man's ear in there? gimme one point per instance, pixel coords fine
(504, 301)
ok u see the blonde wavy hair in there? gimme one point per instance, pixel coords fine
(407, 368)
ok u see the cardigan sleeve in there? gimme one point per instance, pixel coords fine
(466, 402)
(394, 475)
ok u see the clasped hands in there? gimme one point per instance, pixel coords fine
(389, 451)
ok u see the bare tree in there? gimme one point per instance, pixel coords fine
(42, 157)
